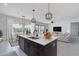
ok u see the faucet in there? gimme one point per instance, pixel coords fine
(35, 33)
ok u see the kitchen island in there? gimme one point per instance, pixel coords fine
(38, 46)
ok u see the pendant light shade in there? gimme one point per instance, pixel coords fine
(48, 15)
(33, 20)
(52, 22)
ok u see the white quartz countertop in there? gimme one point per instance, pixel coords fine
(41, 40)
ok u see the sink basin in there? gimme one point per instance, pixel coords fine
(33, 37)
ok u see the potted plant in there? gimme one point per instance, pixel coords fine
(1, 34)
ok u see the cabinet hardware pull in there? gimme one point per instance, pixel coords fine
(53, 44)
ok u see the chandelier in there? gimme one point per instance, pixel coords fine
(33, 20)
(48, 15)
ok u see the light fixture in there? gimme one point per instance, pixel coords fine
(23, 24)
(23, 20)
(23, 17)
(48, 15)
(33, 20)
(52, 22)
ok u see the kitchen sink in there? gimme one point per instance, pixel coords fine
(34, 37)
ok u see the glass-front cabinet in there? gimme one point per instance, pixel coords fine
(40, 28)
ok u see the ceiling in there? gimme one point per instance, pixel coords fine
(59, 10)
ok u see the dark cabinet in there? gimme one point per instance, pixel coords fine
(34, 49)
(51, 49)
(26, 46)
(21, 43)
(30, 48)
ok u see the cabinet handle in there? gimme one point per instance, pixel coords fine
(54, 44)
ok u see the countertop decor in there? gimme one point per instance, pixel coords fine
(47, 35)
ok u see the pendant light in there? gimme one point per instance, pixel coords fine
(33, 20)
(48, 15)
(52, 22)
(23, 19)
(23, 24)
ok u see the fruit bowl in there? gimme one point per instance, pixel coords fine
(47, 35)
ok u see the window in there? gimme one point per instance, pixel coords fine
(40, 29)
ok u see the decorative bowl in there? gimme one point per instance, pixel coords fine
(47, 35)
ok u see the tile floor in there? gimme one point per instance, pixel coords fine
(67, 49)
(5, 48)
(63, 49)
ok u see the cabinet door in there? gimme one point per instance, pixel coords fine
(21, 43)
(26, 46)
(51, 49)
(37, 50)
(54, 47)
(31, 51)
(29, 48)
(32, 48)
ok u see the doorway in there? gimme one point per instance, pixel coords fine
(75, 31)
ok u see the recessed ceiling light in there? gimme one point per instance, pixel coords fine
(5, 4)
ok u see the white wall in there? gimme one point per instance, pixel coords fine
(3, 25)
(6, 25)
(64, 23)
